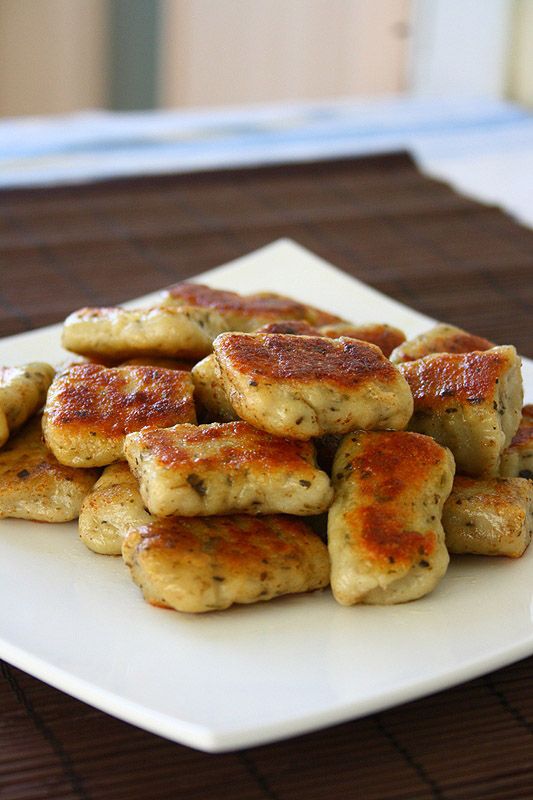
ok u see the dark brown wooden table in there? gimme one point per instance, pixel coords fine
(410, 237)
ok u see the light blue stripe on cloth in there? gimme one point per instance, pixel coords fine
(101, 130)
(97, 145)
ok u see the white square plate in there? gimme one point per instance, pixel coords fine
(252, 674)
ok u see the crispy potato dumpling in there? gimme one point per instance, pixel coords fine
(517, 459)
(440, 339)
(468, 402)
(90, 409)
(306, 386)
(207, 516)
(492, 517)
(209, 391)
(152, 361)
(385, 537)
(294, 326)
(209, 564)
(197, 470)
(22, 393)
(386, 337)
(121, 333)
(244, 312)
(34, 485)
(111, 509)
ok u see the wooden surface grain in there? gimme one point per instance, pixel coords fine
(408, 236)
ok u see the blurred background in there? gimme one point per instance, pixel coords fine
(59, 56)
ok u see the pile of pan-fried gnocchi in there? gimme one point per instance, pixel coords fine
(302, 414)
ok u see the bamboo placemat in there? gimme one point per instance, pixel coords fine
(407, 235)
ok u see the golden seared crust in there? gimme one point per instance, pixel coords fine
(166, 363)
(385, 536)
(492, 517)
(91, 408)
(111, 509)
(306, 386)
(120, 333)
(4, 428)
(527, 414)
(22, 393)
(240, 445)
(344, 363)
(524, 435)
(469, 402)
(440, 339)
(517, 459)
(386, 337)
(315, 316)
(239, 312)
(209, 564)
(209, 391)
(224, 469)
(245, 312)
(470, 378)
(294, 326)
(34, 485)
